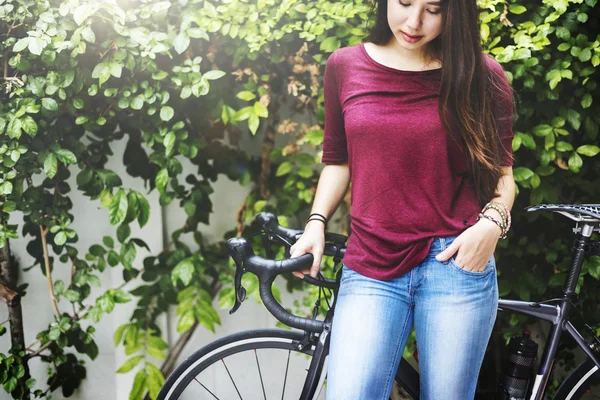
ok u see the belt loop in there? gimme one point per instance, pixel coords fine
(443, 243)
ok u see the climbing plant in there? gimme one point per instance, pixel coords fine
(176, 81)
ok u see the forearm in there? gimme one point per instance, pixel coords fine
(506, 188)
(505, 193)
(331, 189)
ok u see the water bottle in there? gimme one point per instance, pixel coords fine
(518, 369)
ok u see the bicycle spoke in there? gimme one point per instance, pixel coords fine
(205, 388)
(232, 381)
(260, 374)
(286, 372)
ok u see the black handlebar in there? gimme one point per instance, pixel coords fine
(267, 270)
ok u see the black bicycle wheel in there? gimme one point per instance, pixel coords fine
(260, 364)
(581, 384)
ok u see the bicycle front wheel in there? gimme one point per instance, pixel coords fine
(259, 364)
(581, 384)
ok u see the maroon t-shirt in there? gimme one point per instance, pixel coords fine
(410, 178)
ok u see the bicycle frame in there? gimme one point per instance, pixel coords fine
(557, 314)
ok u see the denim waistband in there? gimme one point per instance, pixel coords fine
(439, 244)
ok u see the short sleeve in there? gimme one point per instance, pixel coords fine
(335, 149)
(503, 107)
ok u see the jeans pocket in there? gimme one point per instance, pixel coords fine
(489, 268)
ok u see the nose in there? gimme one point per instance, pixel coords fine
(415, 20)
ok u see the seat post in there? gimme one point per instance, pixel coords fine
(584, 234)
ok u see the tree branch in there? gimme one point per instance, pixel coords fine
(8, 294)
(44, 232)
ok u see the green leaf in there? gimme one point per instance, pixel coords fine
(71, 295)
(285, 168)
(60, 238)
(144, 209)
(49, 104)
(139, 386)
(81, 120)
(169, 142)
(574, 119)
(542, 130)
(330, 44)
(186, 92)
(50, 165)
(108, 241)
(184, 271)
(181, 42)
(29, 125)
(81, 13)
(585, 55)
(121, 296)
(88, 34)
(106, 303)
(157, 342)
(36, 45)
(156, 353)
(564, 146)
(21, 44)
(253, 123)
(214, 74)
(130, 364)
(516, 9)
(589, 150)
(575, 162)
(155, 380)
(136, 103)
(260, 110)
(6, 188)
(586, 100)
(118, 335)
(186, 321)
(10, 384)
(128, 253)
(118, 208)
(65, 156)
(14, 128)
(123, 232)
(246, 95)
(522, 174)
(166, 113)
(190, 208)
(161, 180)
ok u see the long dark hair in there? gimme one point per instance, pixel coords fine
(467, 91)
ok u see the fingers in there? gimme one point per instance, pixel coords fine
(449, 252)
(317, 256)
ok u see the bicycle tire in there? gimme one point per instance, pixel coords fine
(265, 340)
(583, 380)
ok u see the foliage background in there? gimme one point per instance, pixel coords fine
(184, 81)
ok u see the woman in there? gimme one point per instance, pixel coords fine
(420, 121)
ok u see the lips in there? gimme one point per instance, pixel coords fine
(411, 39)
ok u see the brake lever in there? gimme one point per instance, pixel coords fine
(240, 291)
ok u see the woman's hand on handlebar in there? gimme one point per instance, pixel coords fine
(312, 241)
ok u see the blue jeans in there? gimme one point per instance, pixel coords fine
(453, 312)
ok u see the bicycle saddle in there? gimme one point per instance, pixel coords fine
(577, 212)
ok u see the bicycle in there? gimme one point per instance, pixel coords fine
(220, 363)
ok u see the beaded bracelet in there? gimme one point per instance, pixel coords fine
(509, 220)
(494, 220)
(491, 206)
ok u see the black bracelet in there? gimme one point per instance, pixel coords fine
(317, 219)
(318, 215)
